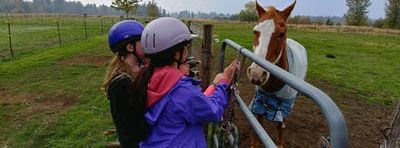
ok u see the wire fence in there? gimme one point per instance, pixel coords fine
(226, 24)
(21, 33)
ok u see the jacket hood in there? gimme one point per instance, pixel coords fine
(163, 80)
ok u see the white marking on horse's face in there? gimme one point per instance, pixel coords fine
(255, 73)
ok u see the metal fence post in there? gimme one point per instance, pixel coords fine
(9, 38)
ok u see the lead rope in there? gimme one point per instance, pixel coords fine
(228, 129)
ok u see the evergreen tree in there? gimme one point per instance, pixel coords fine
(329, 22)
(357, 13)
(393, 14)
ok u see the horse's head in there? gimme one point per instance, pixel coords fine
(269, 40)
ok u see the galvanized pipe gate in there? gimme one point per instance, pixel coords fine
(336, 122)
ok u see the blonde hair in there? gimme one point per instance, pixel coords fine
(118, 66)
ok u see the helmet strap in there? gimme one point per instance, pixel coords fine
(179, 62)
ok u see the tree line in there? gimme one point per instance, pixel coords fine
(76, 7)
(54, 6)
(357, 15)
(134, 8)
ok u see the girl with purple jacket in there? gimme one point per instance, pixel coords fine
(176, 108)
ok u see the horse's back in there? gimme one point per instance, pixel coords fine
(297, 59)
(298, 64)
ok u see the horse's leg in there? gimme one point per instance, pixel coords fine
(255, 142)
(281, 127)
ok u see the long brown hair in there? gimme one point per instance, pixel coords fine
(118, 66)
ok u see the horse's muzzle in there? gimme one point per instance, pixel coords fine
(257, 76)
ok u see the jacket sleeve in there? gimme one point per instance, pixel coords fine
(119, 96)
(196, 108)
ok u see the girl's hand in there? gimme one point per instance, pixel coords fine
(230, 70)
(228, 73)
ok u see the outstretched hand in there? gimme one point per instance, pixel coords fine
(228, 73)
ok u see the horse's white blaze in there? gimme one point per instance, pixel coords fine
(265, 28)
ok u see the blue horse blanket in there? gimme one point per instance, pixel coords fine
(276, 106)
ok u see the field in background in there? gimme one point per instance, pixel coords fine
(50, 96)
(365, 64)
(30, 32)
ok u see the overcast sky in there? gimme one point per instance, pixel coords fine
(303, 7)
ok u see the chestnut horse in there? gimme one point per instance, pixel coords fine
(274, 99)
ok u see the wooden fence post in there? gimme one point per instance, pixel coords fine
(9, 38)
(205, 69)
(58, 32)
(102, 25)
(206, 55)
(393, 137)
(84, 24)
(189, 26)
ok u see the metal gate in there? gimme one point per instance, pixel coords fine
(336, 122)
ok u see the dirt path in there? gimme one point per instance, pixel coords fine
(306, 124)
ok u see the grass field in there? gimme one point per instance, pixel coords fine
(365, 64)
(51, 97)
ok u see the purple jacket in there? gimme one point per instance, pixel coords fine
(177, 118)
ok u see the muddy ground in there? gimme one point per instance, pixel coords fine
(306, 124)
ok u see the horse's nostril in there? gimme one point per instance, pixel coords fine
(255, 82)
(264, 79)
(265, 74)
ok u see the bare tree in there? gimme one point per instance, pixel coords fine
(152, 9)
(127, 6)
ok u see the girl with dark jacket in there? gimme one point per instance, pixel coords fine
(127, 112)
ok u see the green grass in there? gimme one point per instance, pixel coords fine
(38, 73)
(365, 64)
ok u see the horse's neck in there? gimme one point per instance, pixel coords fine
(274, 84)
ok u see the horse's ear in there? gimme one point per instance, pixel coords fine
(286, 13)
(261, 11)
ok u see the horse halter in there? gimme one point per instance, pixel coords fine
(281, 51)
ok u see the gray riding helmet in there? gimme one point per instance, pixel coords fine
(163, 33)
